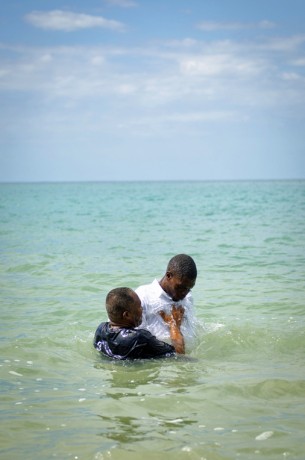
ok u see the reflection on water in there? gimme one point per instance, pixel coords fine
(147, 401)
(123, 429)
(128, 429)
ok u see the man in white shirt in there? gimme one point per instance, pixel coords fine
(159, 298)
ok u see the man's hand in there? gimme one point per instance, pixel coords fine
(174, 320)
(177, 314)
(167, 318)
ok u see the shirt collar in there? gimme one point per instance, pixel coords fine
(159, 291)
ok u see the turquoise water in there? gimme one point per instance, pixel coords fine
(64, 246)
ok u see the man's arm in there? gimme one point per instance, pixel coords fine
(174, 320)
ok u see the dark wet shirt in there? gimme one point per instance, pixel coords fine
(122, 343)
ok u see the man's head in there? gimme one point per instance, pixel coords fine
(124, 307)
(180, 276)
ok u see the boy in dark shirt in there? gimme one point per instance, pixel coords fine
(118, 338)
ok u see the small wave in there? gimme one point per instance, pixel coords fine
(213, 327)
(265, 435)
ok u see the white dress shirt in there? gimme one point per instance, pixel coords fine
(153, 300)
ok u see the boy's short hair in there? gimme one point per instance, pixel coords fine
(118, 301)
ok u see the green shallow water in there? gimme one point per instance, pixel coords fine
(241, 393)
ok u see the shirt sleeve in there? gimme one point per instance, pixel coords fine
(140, 291)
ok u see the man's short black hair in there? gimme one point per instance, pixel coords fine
(183, 266)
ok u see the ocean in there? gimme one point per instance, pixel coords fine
(241, 391)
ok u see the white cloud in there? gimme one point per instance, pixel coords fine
(191, 121)
(284, 44)
(299, 62)
(219, 65)
(186, 42)
(199, 117)
(199, 83)
(126, 88)
(68, 21)
(122, 3)
(291, 76)
(266, 25)
(210, 26)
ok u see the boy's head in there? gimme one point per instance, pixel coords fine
(124, 307)
(180, 276)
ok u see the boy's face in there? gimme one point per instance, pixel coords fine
(136, 313)
(178, 287)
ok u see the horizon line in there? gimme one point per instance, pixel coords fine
(96, 181)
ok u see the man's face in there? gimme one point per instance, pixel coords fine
(178, 287)
(137, 311)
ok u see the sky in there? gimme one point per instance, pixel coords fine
(102, 90)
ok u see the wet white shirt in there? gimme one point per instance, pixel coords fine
(153, 300)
